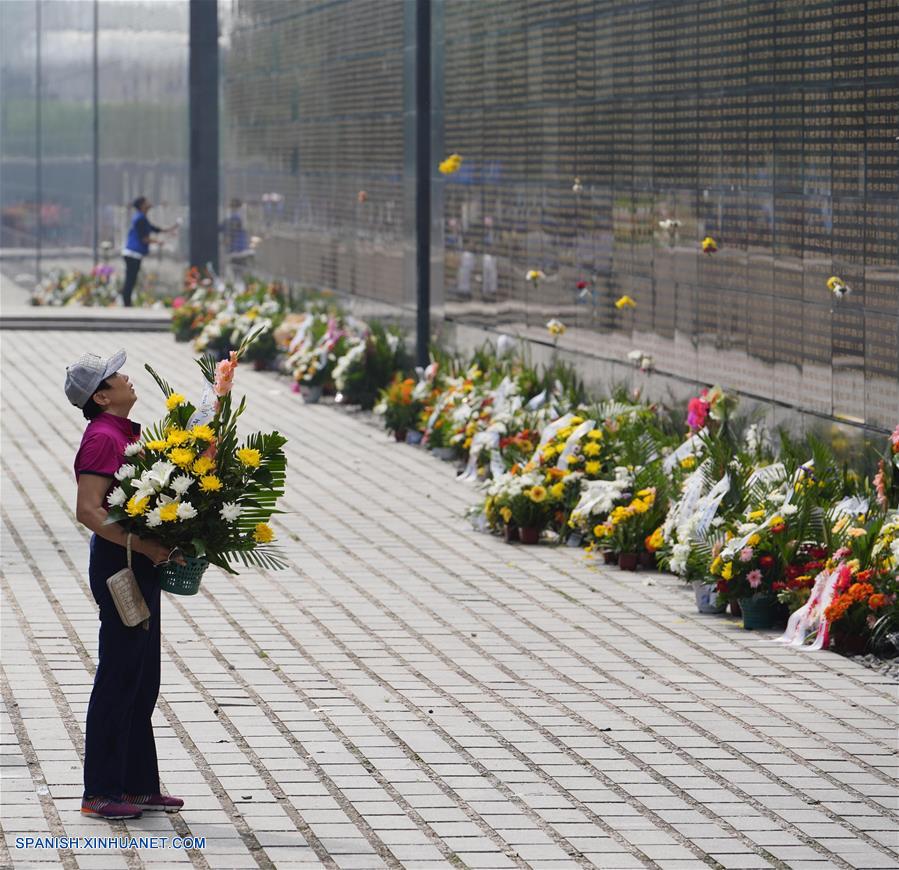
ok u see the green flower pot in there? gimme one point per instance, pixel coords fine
(182, 579)
(760, 612)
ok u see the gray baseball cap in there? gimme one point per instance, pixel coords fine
(84, 376)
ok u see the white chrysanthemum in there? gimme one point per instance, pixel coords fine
(186, 511)
(117, 497)
(133, 448)
(230, 511)
(788, 510)
(125, 471)
(181, 484)
(153, 518)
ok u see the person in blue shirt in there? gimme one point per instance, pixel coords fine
(138, 244)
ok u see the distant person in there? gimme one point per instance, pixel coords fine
(237, 242)
(138, 244)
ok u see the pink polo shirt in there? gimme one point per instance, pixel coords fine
(103, 445)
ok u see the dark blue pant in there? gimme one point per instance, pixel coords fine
(132, 267)
(120, 751)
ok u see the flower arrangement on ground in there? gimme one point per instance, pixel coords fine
(193, 484)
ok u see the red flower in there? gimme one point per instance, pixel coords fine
(766, 561)
(864, 576)
(721, 586)
(777, 585)
(818, 552)
(582, 285)
(778, 528)
(793, 571)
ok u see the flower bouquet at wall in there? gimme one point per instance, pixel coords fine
(192, 483)
(865, 573)
(522, 504)
(228, 329)
(314, 351)
(400, 407)
(369, 365)
(98, 288)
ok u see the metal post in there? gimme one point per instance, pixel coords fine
(96, 74)
(423, 178)
(38, 147)
(204, 133)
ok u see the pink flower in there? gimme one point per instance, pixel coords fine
(754, 578)
(894, 439)
(745, 554)
(880, 486)
(224, 375)
(697, 411)
(178, 301)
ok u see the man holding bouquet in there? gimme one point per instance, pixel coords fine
(121, 776)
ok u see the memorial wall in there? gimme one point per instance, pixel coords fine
(601, 142)
(47, 124)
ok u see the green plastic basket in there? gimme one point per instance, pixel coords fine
(183, 579)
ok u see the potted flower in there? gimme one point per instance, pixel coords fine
(531, 508)
(399, 407)
(193, 484)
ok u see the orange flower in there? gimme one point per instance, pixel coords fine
(224, 375)
(556, 473)
(877, 600)
(836, 609)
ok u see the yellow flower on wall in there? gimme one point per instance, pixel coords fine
(451, 164)
(625, 302)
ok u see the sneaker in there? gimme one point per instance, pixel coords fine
(104, 808)
(159, 803)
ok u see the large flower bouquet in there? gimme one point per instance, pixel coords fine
(192, 483)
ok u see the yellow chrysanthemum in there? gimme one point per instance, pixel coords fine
(174, 400)
(249, 456)
(625, 302)
(210, 483)
(537, 494)
(505, 513)
(638, 505)
(177, 437)
(565, 433)
(688, 462)
(203, 465)
(202, 433)
(263, 533)
(777, 520)
(157, 445)
(593, 467)
(182, 456)
(169, 512)
(715, 567)
(595, 435)
(753, 540)
(727, 571)
(136, 506)
(591, 448)
(575, 459)
(557, 490)
(600, 531)
(756, 515)
(576, 421)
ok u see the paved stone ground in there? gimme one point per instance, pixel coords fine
(414, 694)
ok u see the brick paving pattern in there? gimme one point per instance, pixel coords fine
(411, 693)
